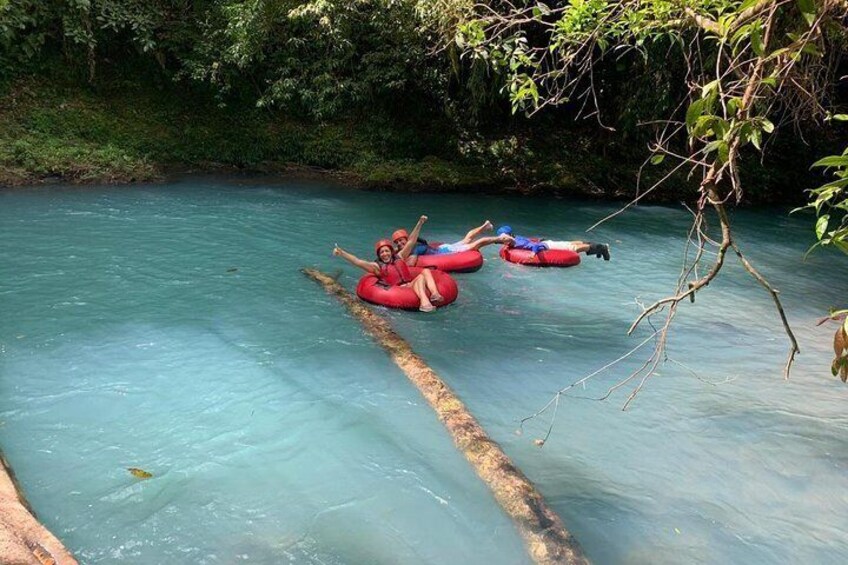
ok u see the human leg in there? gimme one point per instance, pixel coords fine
(430, 283)
(420, 289)
(576, 246)
(484, 241)
(587, 247)
(473, 234)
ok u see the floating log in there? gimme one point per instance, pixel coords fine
(545, 535)
(23, 539)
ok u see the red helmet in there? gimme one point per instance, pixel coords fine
(399, 234)
(383, 243)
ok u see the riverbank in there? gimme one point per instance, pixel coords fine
(55, 131)
(120, 131)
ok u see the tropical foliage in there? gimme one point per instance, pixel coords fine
(749, 66)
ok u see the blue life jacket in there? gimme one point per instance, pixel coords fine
(522, 242)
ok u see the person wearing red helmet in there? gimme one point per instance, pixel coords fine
(472, 240)
(400, 237)
(392, 269)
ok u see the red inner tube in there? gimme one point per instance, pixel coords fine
(546, 258)
(370, 289)
(462, 262)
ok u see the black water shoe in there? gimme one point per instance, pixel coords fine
(599, 250)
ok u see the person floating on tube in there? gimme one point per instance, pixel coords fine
(535, 245)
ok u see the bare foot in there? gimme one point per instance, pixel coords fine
(436, 298)
(488, 225)
(428, 308)
(504, 238)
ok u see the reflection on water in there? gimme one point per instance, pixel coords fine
(168, 328)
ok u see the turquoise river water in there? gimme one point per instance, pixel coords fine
(168, 327)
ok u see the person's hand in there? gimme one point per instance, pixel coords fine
(337, 250)
(423, 219)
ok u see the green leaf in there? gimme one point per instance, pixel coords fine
(832, 161)
(777, 53)
(657, 159)
(756, 139)
(757, 41)
(712, 146)
(808, 10)
(768, 127)
(821, 225)
(694, 111)
(720, 127)
(840, 117)
(724, 151)
(811, 49)
(703, 125)
(733, 106)
(709, 87)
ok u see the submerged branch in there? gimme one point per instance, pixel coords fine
(544, 533)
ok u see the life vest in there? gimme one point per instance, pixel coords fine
(395, 273)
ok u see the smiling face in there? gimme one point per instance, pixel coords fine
(400, 242)
(385, 254)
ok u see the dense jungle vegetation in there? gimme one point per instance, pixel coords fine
(115, 90)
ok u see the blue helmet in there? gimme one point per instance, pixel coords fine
(504, 230)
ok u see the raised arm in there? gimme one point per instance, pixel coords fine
(367, 266)
(413, 239)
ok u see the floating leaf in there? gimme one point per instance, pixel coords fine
(139, 473)
(232, 270)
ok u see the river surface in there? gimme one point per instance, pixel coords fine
(168, 328)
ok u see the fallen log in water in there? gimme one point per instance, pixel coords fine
(544, 533)
(23, 539)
